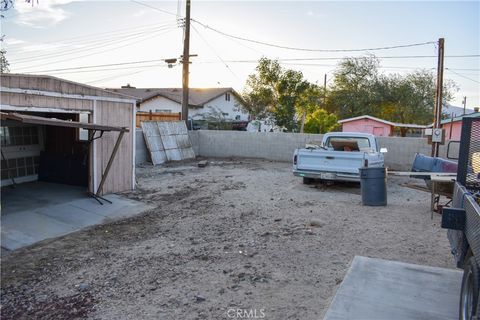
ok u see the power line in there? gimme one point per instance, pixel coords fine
(155, 8)
(102, 65)
(291, 48)
(103, 51)
(92, 45)
(213, 50)
(460, 75)
(224, 61)
(96, 34)
(311, 50)
(114, 77)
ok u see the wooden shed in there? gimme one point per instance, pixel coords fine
(61, 131)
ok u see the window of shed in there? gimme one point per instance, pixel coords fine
(83, 133)
(227, 96)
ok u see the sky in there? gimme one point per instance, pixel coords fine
(114, 43)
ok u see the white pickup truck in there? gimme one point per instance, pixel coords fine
(339, 157)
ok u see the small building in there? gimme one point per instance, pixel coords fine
(63, 132)
(379, 127)
(453, 126)
(224, 102)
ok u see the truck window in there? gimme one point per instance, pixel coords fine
(349, 144)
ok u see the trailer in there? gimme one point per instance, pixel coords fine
(462, 219)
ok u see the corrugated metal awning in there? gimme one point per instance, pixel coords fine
(24, 118)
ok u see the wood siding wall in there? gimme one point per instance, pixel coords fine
(120, 176)
(119, 114)
(156, 116)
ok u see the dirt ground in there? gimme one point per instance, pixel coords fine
(237, 234)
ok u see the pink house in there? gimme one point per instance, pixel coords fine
(453, 127)
(368, 124)
(376, 126)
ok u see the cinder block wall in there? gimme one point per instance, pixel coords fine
(280, 146)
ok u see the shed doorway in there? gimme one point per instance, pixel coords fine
(34, 152)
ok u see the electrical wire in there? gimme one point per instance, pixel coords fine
(311, 50)
(116, 76)
(152, 7)
(213, 50)
(103, 51)
(90, 45)
(460, 75)
(97, 34)
(226, 61)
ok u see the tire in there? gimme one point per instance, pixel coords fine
(307, 180)
(469, 291)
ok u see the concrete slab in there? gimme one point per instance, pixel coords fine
(38, 222)
(26, 227)
(376, 289)
(32, 195)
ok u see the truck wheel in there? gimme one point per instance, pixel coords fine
(307, 180)
(469, 292)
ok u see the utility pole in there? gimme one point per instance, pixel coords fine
(186, 63)
(437, 112)
(464, 105)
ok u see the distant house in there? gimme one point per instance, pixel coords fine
(379, 127)
(453, 126)
(202, 101)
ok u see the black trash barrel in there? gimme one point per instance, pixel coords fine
(374, 186)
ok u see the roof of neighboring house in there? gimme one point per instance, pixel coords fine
(395, 124)
(450, 110)
(197, 96)
(474, 114)
(366, 117)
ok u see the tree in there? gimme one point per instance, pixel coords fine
(274, 91)
(4, 65)
(360, 89)
(353, 92)
(411, 98)
(309, 101)
(260, 93)
(320, 121)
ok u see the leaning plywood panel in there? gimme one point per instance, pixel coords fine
(175, 139)
(167, 141)
(151, 132)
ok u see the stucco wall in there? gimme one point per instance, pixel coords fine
(280, 146)
(160, 103)
(227, 107)
(455, 127)
(366, 125)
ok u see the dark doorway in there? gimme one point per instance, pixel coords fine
(65, 157)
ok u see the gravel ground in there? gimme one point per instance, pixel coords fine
(237, 234)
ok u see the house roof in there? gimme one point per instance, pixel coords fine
(473, 115)
(395, 124)
(197, 96)
(367, 117)
(454, 111)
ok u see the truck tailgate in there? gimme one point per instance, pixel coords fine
(330, 161)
